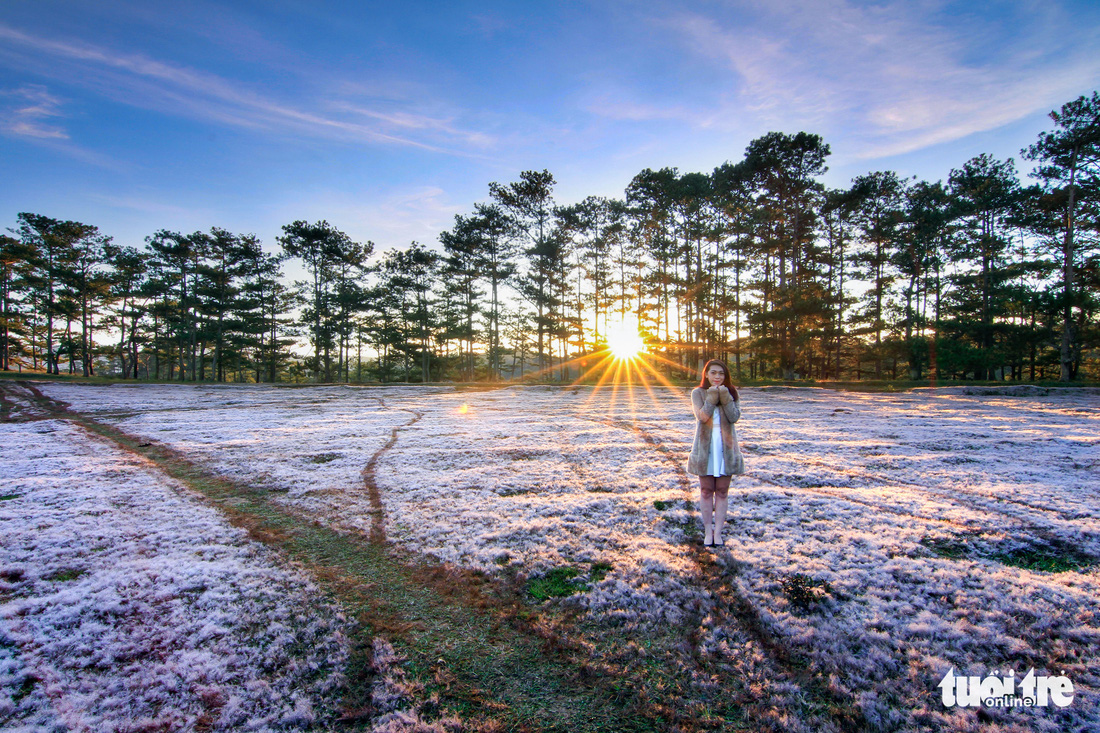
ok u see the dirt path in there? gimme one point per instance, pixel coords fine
(377, 510)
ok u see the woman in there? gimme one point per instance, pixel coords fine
(715, 456)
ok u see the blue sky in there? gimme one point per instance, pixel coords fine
(389, 118)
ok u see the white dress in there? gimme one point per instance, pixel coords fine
(716, 464)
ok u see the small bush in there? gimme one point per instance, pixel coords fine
(802, 590)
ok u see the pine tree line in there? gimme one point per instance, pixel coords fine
(978, 277)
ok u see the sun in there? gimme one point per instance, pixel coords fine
(624, 342)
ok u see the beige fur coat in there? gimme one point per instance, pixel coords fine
(706, 413)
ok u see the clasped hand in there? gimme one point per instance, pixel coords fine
(718, 394)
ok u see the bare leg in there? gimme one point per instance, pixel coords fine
(706, 507)
(721, 504)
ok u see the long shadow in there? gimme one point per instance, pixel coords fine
(733, 608)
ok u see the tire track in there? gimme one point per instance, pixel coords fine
(17, 406)
(377, 510)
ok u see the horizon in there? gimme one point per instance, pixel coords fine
(137, 117)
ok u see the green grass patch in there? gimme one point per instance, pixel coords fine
(1056, 558)
(25, 688)
(324, 457)
(63, 576)
(515, 492)
(952, 548)
(556, 583)
(599, 571)
(7, 497)
(1044, 559)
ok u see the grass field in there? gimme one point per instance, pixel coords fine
(528, 558)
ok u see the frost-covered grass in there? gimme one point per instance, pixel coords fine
(877, 541)
(126, 604)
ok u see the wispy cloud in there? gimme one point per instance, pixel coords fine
(32, 113)
(416, 122)
(149, 83)
(898, 76)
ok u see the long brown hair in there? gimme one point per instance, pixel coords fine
(704, 383)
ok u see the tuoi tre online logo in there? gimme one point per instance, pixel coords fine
(1004, 691)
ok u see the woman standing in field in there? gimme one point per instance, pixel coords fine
(715, 457)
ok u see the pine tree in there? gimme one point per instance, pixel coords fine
(1069, 159)
(783, 168)
(986, 196)
(879, 217)
(331, 258)
(14, 259)
(49, 246)
(529, 205)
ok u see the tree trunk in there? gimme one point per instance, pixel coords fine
(1067, 371)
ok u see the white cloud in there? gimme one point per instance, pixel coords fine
(412, 122)
(899, 76)
(32, 114)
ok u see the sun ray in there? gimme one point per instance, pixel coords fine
(679, 367)
(608, 373)
(559, 365)
(652, 396)
(604, 360)
(604, 378)
(660, 377)
(629, 366)
(617, 381)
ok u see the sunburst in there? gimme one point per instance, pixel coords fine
(624, 342)
(627, 361)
